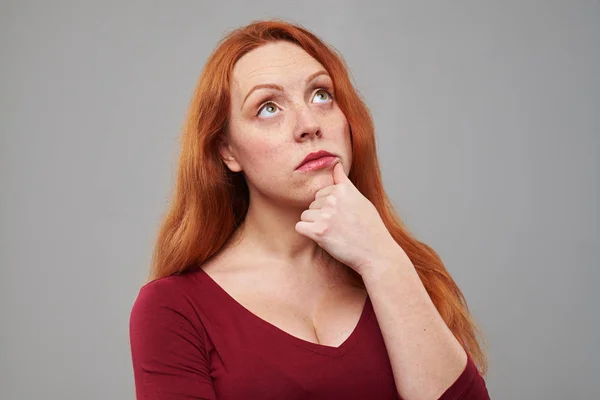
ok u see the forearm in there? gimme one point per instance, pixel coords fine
(425, 356)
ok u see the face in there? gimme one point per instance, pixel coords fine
(283, 107)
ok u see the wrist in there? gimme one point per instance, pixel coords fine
(392, 257)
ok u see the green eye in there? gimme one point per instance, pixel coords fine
(322, 96)
(268, 110)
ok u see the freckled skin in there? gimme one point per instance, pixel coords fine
(268, 147)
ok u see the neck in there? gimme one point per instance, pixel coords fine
(267, 238)
(271, 229)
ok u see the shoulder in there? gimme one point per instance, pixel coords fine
(161, 290)
(164, 298)
(169, 345)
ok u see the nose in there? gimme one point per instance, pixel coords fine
(307, 125)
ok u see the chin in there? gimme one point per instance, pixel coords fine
(301, 198)
(303, 193)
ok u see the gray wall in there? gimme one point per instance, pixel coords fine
(488, 124)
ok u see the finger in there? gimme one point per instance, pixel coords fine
(324, 192)
(305, 228)
(320, 202)
(339, 175)
(310, 215)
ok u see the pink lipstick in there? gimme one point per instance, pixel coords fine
(316, 160)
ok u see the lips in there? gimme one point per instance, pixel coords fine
(315, 156)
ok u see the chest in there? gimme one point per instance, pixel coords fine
(314, 309)
(328, 322)
(259, 363)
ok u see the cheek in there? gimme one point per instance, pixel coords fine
(339, 129)
(261, 154)
(266, 165)
(334, 120)
(340, 133)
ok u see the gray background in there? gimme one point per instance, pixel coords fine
(488, 127)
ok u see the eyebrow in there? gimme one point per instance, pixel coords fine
(280, 88)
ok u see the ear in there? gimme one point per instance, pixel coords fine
(227, 155)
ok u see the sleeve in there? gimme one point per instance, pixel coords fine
(470, 385)
(169, 355)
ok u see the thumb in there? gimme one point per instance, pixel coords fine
(339, 175)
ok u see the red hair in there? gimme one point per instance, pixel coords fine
(209, 202)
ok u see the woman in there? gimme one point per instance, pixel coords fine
(281, 270)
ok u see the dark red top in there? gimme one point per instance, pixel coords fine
(192, 340)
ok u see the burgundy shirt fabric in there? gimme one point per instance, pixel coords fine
(191, 340)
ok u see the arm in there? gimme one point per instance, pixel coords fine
(427, 360)
(170, 360)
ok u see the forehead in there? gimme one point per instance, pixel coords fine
(279, 62)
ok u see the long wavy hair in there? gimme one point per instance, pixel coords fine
(210, 202)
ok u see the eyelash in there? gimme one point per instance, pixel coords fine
(329, 93)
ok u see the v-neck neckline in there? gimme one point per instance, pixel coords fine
(331, 351)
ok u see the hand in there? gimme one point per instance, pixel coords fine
(347, 225)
